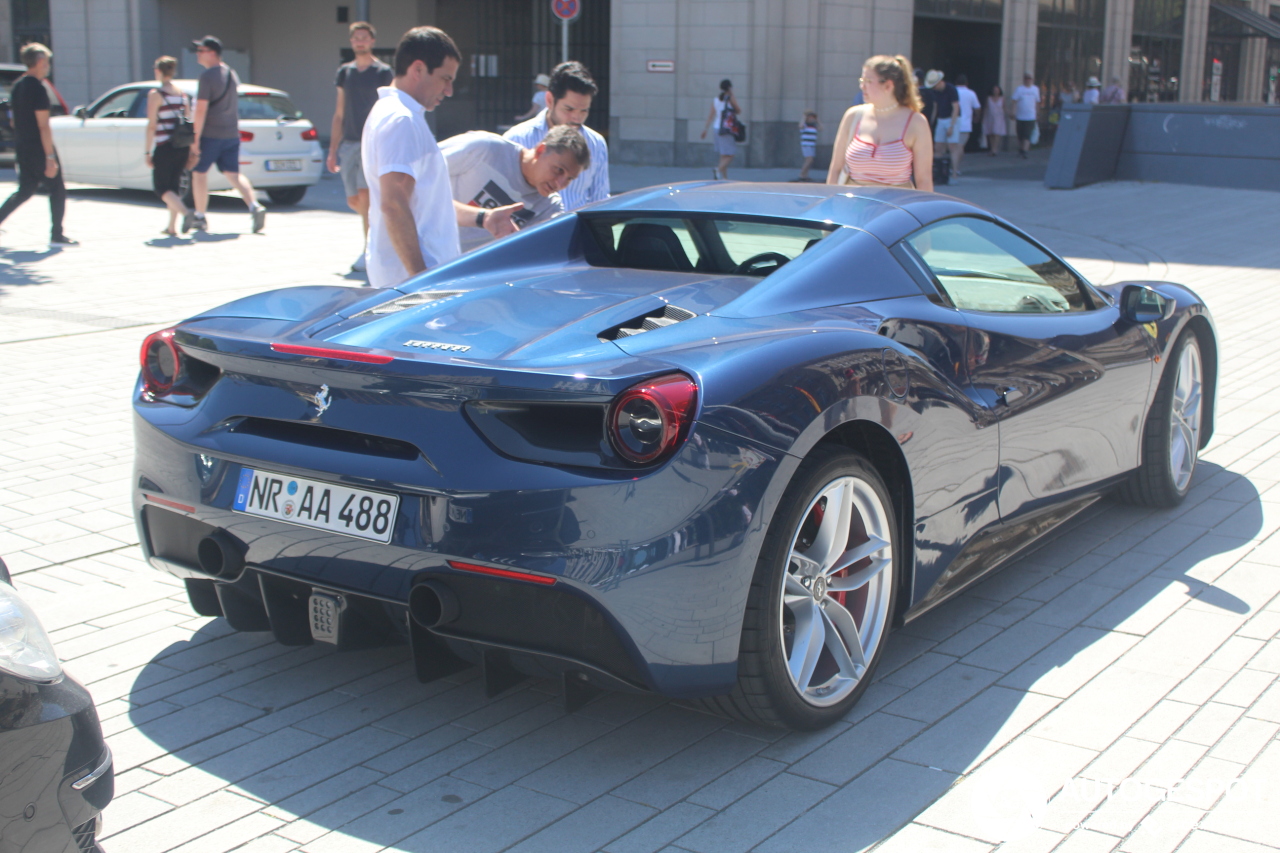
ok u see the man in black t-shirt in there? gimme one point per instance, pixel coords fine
(34, 155)
(358, 83)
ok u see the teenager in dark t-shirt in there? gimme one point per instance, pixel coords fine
(34, 154)
(358, 82)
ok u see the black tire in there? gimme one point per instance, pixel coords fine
(765, 692)
(286, 195)
(1156, 483)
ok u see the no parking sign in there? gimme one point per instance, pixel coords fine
(566, 10)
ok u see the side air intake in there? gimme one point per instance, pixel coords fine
(667, 315)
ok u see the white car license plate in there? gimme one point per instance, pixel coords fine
(284, 165)
(310, 503)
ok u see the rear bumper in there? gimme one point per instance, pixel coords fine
(51, 747)
(647, 577)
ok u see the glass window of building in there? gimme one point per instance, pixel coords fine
(1068, 49)
(1155, 55)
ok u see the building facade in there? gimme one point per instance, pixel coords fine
(659, 62)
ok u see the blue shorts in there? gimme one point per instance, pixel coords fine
(224, 152)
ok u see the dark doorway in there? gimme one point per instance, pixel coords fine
(504, 45)
(957, 47)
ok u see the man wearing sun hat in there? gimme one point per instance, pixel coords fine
(540, 85)
(1092, 91)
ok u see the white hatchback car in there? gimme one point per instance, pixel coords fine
(103, 142)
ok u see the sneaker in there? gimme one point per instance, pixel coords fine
(188, 220)
(359, 264)
(198, 222)
(259, 215)
(63, 240)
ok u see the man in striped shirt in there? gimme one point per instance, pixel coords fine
(569, 102)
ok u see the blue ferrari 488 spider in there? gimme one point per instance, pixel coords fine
(706, 440)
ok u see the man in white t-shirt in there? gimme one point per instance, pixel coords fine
(412, 222)
(969, 107)
(1026, 101)
(487, 172)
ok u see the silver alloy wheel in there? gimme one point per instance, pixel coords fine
(836, 592)
(1184, 415)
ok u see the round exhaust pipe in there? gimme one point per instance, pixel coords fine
(431, 603)
(219, 555)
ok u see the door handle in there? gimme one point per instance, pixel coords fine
(1010, 395)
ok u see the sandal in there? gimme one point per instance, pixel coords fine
(169, 233)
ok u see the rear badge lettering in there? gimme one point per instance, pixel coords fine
(437, 345)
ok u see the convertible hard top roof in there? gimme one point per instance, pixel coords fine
(888, 213)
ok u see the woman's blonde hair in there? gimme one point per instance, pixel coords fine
(167, 65)
(897, 70)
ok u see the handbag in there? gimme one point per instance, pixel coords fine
(183, 133)
(732, 125)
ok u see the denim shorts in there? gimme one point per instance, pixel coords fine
(224, 152)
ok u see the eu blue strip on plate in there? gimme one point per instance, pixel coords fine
(242, 492)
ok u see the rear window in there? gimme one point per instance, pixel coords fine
(706, 243)
(267, 106)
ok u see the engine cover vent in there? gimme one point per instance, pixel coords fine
(665, 316)
(413, 300)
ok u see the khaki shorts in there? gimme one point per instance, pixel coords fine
(350, 167)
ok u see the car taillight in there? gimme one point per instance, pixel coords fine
(246, 136)
(649, 421)
(161, 363)
(308, 135)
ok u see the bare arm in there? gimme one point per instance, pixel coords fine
(497, 220)
(397, 216)
(335, 131)
(842, 142)
(920, 142)
(202, 112)
(711, 116)
(153, 115)
(46, 139)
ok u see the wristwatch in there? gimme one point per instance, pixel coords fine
(480, 217)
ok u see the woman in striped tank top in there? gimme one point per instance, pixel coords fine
(165, 104)
(884, 141)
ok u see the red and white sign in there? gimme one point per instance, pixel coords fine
(566, 10)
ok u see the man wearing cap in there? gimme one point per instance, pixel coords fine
(358, 83)
(568, 101)
(947, 101)
(217, 121)
(540, 85)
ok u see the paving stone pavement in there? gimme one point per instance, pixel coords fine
(1114, 690)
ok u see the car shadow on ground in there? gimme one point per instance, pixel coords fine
(351, 740)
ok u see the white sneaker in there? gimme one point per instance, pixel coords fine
(359, 264)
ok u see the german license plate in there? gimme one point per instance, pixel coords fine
(311, 503)
(284, 165)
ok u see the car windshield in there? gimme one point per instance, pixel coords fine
(267, 105)
(706, 243)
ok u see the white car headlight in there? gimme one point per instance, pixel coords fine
(25, 649)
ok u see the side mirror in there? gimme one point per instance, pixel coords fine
(1140, 303)
(79, 112)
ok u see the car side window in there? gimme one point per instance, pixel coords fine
(983, 266)
(117, 105)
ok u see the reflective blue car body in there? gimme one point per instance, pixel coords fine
(989, 430)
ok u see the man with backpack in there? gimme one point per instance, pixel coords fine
(217, 120)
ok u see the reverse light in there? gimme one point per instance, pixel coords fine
(246, 136)
(309, 135)
(161, 363)
(25, 650)
(649, 421)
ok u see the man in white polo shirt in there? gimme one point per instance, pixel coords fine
(412, 222)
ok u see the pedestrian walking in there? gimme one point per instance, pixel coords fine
(570, 90)
(541, 84)
(723, 107)
(1092, 91)
(947, 109)
(1026, 103)
(168, 114)
(494, 177)
(1113, 94)
(413, 224)
(358, 82)
(809, 127)
(969, 107)
(217, 120)
(993, 121)
(33, 151)
(885, 141)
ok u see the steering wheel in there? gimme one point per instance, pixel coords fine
(751, 265)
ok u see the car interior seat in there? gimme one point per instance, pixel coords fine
(650, 246)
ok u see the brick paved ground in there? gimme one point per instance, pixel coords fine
(1137, 648)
